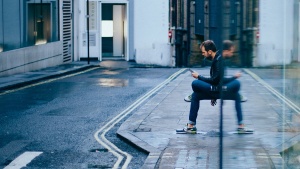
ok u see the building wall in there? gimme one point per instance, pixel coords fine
(147, 31)
(151, 24)
(30, 58)
(196, 56)
(80, 24)
(276, 33)
(231, 32)
(30, 55)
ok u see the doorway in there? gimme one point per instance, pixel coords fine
(113, 34)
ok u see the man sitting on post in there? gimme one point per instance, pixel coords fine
(228, 50)
(208, 88)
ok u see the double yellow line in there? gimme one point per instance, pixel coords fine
(100, 134)
(47, 81)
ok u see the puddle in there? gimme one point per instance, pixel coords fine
(109, 72)
(113, 82)
(291, 156)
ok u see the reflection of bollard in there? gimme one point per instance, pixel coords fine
(250, 46)
(184, 53)
(180, 56)
(178, 43)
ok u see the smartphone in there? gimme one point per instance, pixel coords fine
(191, 70)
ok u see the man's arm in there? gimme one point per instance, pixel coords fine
(217, 72)
(229, 79)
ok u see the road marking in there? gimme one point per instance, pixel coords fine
(47, 81)
(12, 147)
(23, 160)
(272, 90)
(110, 146)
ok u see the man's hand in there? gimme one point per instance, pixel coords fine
(195, 75)
(213, 102)
(238, 74)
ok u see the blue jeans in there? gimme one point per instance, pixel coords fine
(202, 92)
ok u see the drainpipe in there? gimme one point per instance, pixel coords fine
(88, 30)
(241, 48)
(174, 15)
(188, 23)
(72, 29)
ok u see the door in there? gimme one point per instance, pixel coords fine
(113, 17)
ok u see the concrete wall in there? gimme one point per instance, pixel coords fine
(31, 58)
(151, 32)
(276, 33)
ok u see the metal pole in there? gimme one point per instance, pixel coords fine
(88, 30)
(188, 48)
(72, 19)
(220, 26)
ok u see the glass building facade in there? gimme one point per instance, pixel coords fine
(26, 23)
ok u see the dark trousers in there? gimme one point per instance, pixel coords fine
(202, 91)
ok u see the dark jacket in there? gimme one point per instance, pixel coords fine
(216, 72)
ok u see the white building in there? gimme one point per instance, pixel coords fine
(45, 33)
(278, 41)
(123, 29)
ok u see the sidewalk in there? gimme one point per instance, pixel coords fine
(21, 79)
(153, 126)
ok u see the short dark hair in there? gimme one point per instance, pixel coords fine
(227, 44)
(208, 45)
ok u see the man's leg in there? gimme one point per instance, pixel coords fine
(201, 91)
(233, 88)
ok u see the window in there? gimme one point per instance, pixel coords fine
(10, 35)
(107, 28)
(42, 22)
(27, 23)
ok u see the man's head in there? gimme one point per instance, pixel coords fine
(228, 48)
(208, 49)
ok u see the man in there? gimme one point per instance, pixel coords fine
(228, 49)
(208, 88)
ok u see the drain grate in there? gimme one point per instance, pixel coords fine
(99, 150)
(98, 166)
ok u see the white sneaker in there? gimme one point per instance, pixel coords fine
(188, 98)
(243, 98)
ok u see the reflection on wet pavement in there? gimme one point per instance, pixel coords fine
(110, 72)
(285, 81)
(113, 82)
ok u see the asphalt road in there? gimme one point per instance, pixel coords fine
(58, 119)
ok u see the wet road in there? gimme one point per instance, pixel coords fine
(59, 119)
